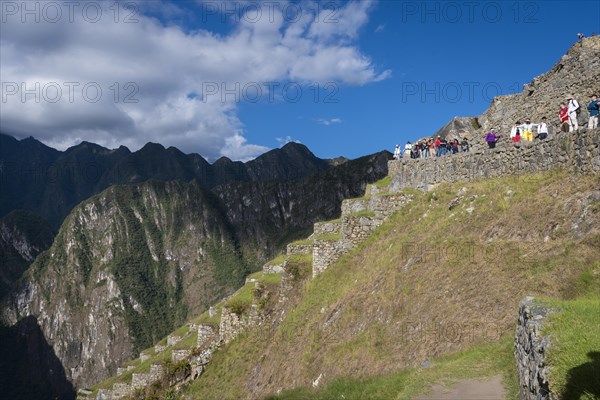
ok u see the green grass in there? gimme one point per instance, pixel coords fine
(365, 213)
(480, 362)
(205, 318)
(277, 260)
(329, 236)
(302, 242)
(574, 355)
(383, 182)
(186, 342)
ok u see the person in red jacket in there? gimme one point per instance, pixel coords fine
(438, 147)
(563, 115)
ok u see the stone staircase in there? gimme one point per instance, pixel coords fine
(329, 241)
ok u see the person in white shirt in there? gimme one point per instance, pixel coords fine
(408, 149)
(397, 152)
(572, 111)
(515, 129)
(542, 129)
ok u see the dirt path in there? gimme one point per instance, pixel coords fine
(470, 389)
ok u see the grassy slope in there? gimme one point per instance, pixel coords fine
(574, 356)
(429, 283)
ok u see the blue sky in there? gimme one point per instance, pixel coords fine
(345, 78)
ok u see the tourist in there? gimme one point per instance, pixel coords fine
(527, 127)
(424, 149)
(415, 150)
(464, 145)
(563, 115)
(444, 146)
(517, 137)
(408, 149)
(454, 146)
(491, 138)
(593, 108)
(542, 129)
(397, 152)
(572, 107)
(431, 144)
(438, 146)
(516, 131)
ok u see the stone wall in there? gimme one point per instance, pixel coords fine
(327, 228)
(358, 228)
(530, 351)
(233, 324)
(578, 152)
(359, 218)
(353, 206)
(206, 334)
(385, 205)
(293, 249)
(325, 252)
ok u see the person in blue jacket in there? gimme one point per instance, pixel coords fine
(593, 109)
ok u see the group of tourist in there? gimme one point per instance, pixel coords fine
(431, 148)
(567, 115)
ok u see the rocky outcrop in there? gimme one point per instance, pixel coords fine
(23, 236)
(531, 349)
(577, 74)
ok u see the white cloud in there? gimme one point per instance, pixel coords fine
(157, 65)
(380, 28)
(237, 148)
(330, 121)
(285, 140)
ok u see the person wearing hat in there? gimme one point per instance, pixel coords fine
(527, 129)
(397, 152)
(593, 108)
(573, 106)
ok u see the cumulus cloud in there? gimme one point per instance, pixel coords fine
(129, 75)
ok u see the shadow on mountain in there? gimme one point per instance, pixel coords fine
(584, 379)
(29, 369)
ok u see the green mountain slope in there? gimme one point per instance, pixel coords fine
(430, 282)
(126, 268)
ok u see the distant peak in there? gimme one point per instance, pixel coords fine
(153, 146)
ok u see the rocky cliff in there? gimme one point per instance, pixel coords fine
(126, 267)
(23, 236)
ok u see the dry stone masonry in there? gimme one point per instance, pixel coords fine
(359, 218)
(572, 151)
(531, 349)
